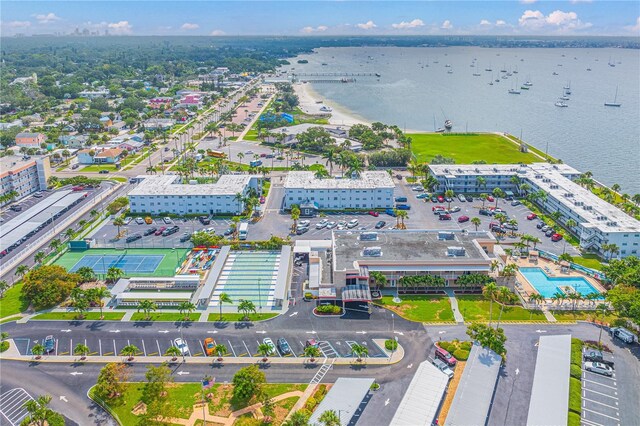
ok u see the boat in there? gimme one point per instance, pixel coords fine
(447, 65)
(527, 83)
(516, 70)
(497, 80)
(504, 69)
(565, 98)
(555, 73)
(561, 104)
(523, 87)
(588, 69)
(377, 74)
(475, 74)
(325, 108)
(438, 130)
(448, 124)
(568, 86)
(514, 91)
(450, 72)
(615, 102)
(488, 69)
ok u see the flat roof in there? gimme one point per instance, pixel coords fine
(169, 185)
(408, 248)
(472, 400)
(344, 397)
(12, 162)
(421, 401)
(155, 295)
(549, 402)
(367, 180)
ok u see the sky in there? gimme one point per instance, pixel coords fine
(299, 18)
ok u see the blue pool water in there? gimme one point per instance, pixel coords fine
(549, 285)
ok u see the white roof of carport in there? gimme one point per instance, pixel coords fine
(344, 397)
(421, 402)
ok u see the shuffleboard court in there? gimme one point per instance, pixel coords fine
(128, 263)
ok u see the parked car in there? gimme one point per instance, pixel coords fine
(342, 224)
(515, 203)
(149, 231)
(301, 230)
(283, 346)
(485, 212)
(545, 228)
(448, 199)
(403, 207)
(331, 225)
(598, 368)
(204, 220)
(463, 219)
(434, 208)
(532, 216)
(269, 342)
(454, 209)
(490, 199)
(75, 166)
(208, 345)
(596, 356)
(434, 199)
(469, 198)
(170, 231)
(322, 223)
(540, 225)
(160, 230)
(185, 237)
(556, 237)
(418, 188)
(132, 238)
(424, 195)
(148, 220)
(304, 222)
(442, 367)
(352, 223)
(228, 231)
(374, 213)
(510, 226)
(167, 220)
(181, 345)
(49, 344)
(16, 207)
(403, 199)
(440, 199)
(461, 198)
(38, 194)
(127, 220)
(623, 334)
(390, 212)
(380, 224)
(445, 216)
(139, 221)
(550, 232)
(103, 172)
(445, 356)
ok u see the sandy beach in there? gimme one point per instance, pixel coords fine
(339, 116)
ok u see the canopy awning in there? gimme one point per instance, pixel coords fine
(356, 293)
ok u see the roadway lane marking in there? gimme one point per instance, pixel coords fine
(597, 383)
(600, 393)
(601, 403)
(70, 346)
(109, 353)
(100, 346)
(231, 347)
(115, 351)
(600, 414)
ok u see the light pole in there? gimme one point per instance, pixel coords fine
(181, 350)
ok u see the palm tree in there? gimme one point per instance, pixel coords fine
(97, 295)
(219, 350)
(378, 278)
(476, 222)
(129, 351)
(39, 412)
(359, 351)
(240, 156)
(114, 274)
(484, 198)
(69, 233)
(497, 193)
(246, 307)
(481, 182)
(55, 245)
(402, 215)
(265, 350)
(185, 308)
(37, 350)
(503, 294)
(565, 257)
(312, 352)
(82, 350)
(173, 352)
(331, 156)
(535, 241)
(449, 194)
(295, 215)
(81, 305)
(330, 418)
(147, 306)
(39, 257)
(118, 222)
(490, 291)
(22, 270)
(94, 214)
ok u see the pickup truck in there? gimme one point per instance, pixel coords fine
(596, 356)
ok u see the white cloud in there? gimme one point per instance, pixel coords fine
(47, 18)
(500, 23)
(189, 26)
(120, 28)
(318, 29)
(557, 20)
(528, 1)
(635, 28)
(404, 25)
(446, 25)
(367, 25)
(485, 23)
(217, 33)
(16, 24)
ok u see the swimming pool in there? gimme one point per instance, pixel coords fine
(549, 285)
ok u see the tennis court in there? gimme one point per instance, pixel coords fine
(134, 262)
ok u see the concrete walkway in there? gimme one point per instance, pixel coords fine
(548, 315)
(454, 306)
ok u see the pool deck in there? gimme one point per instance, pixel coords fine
(556, 271)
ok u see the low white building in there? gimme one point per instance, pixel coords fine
(166, 194)
(598, 221)
(371, 190)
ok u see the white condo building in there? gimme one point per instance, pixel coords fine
(166, 194)
(372, 190)
(598, 221)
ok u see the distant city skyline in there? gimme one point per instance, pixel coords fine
(291, 18)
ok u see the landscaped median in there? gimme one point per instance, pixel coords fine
(73, 316)
(420, 308)
(575, 383)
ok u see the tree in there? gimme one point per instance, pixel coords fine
(4, 286)
(497, 193)
(295, 215)
(82, 350)
(81, 305)
(48, 286)
(312, 352)
(130, 351)
(449, 194)
(147, 306)
(378, 279)
(268, 409)
(623, 271)
(248, 382)
(246, 307)
(97, 295)
(111, 382)
(22, 270)
(265, 350)
(118, 222)
(503, 294)
(69, 233)
(39, 257)
(490, 291)
(476, 222)
(566, 257)
(219, 350)
(359, 351)
(114, 274)
(488, 337)
(37, 350)
(40, 414)
(223, 297)
(298, 418)
(173, 352)
(329, 418)
(158, 379)
(185, 309)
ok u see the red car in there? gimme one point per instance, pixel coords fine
(532, 216)
(434, 208)
(445, 356)
(490, 199)
(440, 198)
(160, 230)
(445, 217)
(374, 213)
(556, 237)
(262, 200)
(77, 188)
(463, 219)
(263, 155)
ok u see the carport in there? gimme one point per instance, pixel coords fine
(421, 403)
(345, 398)
(549, 403)
(472, 401)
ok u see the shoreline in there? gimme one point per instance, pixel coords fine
(308, 103)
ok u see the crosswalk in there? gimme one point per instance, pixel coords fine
(12, 406)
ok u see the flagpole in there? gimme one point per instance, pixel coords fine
(204, 404)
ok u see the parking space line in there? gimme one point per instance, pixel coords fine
(600, 414)
(589, 422)
(109, 353)
(600, 375)
(144, 350)
(28, 344)
(115, 351)
(70, 346)
(158, 345)
(245, 346)
(231, 347)
(600, 393)
(601, 384)
(601, 403)
(57, 340)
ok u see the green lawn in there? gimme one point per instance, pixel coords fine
(164, 316)
(476, 308)
(184, 395)
(12, 302)
(465, 149)
(89, 316)
(420, 308)
(232, 317)
(9, 319)
(589, 260)
(98, 167)
(583, 316)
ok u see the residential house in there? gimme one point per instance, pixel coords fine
(74, 141)
(131, 145)
(106, 121)
(108, 156)
(84, 156)
(155, 103)
(30, 140)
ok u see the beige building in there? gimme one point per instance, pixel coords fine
(23, 174)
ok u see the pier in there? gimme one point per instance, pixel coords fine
(335, 74)
(331, 80)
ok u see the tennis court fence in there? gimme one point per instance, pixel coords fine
(140, 244)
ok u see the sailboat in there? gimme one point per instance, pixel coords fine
(491, 81)
(514, 91)
(489, 68)
(615, 102)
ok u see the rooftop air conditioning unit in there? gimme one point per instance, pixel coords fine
(456, 251)
(372, 252)
(446, 236)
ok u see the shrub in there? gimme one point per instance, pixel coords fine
(4, 346)
(576, 351)
(375, 386)
(575, 395)
(574, 419)
(329, 309)
(447, 346)
(48, 286)
(391, 344)
(460, 354)
(576, 372)
(311, 403)
(466, 346)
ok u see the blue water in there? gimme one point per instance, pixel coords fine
(548, 286)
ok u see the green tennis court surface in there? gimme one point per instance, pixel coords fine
(134, 262)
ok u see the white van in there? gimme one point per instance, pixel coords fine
(352, 223)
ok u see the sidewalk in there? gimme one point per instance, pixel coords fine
(454, 306)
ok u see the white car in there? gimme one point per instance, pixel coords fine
(322, 224)
(342, 224)
(598, 368)
(182, 345)
(268, 341)
(210, 230)
(352, 223)
(304, 223)
(127, 220)
(139, 220)
(442, 367)
(167, 220)
(331, 225)
(249, 152)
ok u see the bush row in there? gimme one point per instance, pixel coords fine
(329, 309)
(575, 381)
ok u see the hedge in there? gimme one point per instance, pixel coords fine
(447, 346)
(576, 371)
(466, 346)
(329, 309)
(4, 346)
(575, 395)
(460, 354)
(574, 419)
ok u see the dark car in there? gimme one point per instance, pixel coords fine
(540, 225)
(49, 344)
(150, 231)
(485, 212)
(445, 356)
(170, 231)
(103, 172)
(445, 217)
(204, 220)
(283, 346)
(596, 356)
(132, 238)
(469, 198)
(401, 199)
(228, 232)
(380, 224)
(434, 199)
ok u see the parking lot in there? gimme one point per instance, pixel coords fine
(12, 410)
(600, 397)
(237, 346)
